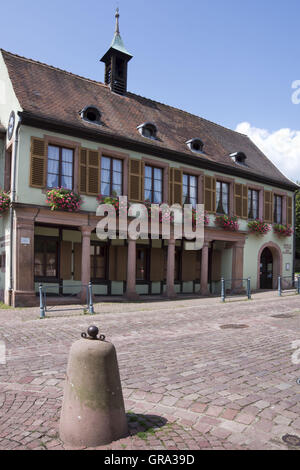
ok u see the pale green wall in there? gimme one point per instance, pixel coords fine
(8, 99)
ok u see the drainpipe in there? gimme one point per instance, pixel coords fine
(11, 211)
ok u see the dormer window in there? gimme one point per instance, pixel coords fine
(148, 130)
(195, 145)
(239, 158)
(91, 114)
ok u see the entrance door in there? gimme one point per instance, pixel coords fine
(266, 269)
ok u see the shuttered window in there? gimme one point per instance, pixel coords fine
(241, 200)
(136, 180)
(175, 186)
(38, 163)
(289, 208)
(210, 193)
(189, 189)
(111, 176)
(222, 197)
(277, 217)
(60, 167)
(268, 206)
(89, 172)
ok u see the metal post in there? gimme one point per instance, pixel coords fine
(91, 306)
(249, 288)
(42, 306)
(298, 285)
(279, 286)
(223, 289)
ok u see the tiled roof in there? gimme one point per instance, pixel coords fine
(55, 94)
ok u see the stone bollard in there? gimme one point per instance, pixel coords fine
(93, 412)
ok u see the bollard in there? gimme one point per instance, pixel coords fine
(249, 288)
(91, 306)
(279, 286)
(223, 289)
(42, 305)
(93, 412)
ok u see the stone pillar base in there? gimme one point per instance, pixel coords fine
(24, 299)
(204, 292)
(170, 294)
(132, 296)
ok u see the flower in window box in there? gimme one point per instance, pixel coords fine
(227, 223)
(283, 230)
(4, 201)
(63, 199)
(259, 227)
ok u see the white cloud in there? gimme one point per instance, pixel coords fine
(282, 147)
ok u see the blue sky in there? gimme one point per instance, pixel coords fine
(229, 61)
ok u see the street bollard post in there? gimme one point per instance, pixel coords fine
(249, 288)
(223, 289)
(42, 305)
(279, 286)
(91, 305)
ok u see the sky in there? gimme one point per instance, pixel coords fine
(230, 61)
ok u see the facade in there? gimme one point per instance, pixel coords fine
(58, 129)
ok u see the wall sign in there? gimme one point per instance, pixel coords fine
(25, 241)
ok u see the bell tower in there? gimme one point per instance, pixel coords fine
(116, 62)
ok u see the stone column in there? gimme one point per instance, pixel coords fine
(131, 293)
(170, 291)
(85, 259)
(23, 293)
(238, 267)
(204, 270)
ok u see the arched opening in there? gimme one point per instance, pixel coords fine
(266, 269)
(269, 266)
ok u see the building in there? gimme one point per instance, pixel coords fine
(60, 129)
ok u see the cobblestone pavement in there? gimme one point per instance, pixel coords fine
(187, 382)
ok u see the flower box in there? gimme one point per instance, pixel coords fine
(283, 230)
(63, 199)
(4, 201)
(258, 227)
(227, 223)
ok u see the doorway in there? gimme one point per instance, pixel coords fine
(266, 269)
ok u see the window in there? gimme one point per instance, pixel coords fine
(91, 114)
(142, 262)
(195, 145)
(60, 167)
(98, 262)
(278, 209)
(148, 129)
(189, 190)
(222, 197)
(111, 176)
(239, 158)
(253, 204)
(153, 184)
(45, 258)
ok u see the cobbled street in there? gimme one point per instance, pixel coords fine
(188, 381)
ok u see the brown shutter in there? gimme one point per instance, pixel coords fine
(241, 200)
(38, 163)
(209, 193)
(175, 186)
(189, 259)
(136, 180)
(77, 262)
(268, 206)
(83, 171)
(66, 260)
(93, 173)
(157, 265)
(289, 210)
(121, 263)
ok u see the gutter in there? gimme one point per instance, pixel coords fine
(294, 238)
(11, 210)
(131, 144)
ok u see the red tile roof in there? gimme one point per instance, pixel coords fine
(58, 95)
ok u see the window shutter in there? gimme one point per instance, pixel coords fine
(175, 186)
(289, 209)
(83, 171)
(268, 206)
(157, 265)
(189, 259)
(38, 163)
(209, 193)
(66, 260)
(93, 173)
(241, 200)
(136, 180)
(77, 262)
